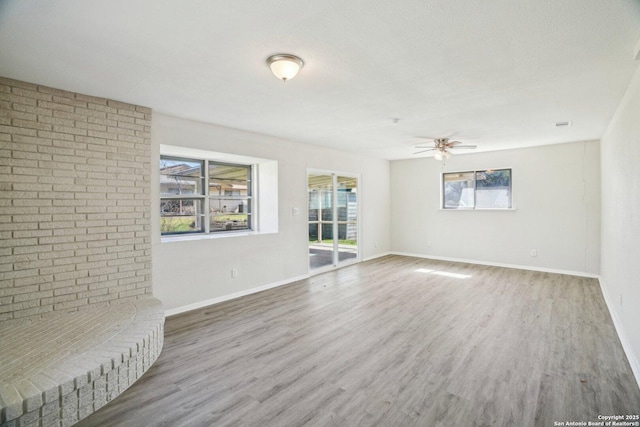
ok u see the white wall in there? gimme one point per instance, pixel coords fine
(190, 272)
(556, 196)
(620, 272)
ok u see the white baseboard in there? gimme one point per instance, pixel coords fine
(626, 345)
(369, 258)
(498, 264)
(212, 301)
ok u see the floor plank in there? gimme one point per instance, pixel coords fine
(392, 342)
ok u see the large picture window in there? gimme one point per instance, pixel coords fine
(203, 196)
(486, 189)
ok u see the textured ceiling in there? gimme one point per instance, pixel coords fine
(495, 73)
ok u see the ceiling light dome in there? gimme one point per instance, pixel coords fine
(284, 66)
(442, 155)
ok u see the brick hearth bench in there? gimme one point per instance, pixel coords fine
(56, 371)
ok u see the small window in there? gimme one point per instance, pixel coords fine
(192, 201)
(487, 189)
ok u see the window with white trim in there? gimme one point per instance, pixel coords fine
(485, 189)
(204, 196)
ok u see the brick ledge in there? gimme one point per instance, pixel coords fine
(58, 371)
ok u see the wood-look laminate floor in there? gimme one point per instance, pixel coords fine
(396, 341)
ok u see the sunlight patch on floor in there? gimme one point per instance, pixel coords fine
(443, 273)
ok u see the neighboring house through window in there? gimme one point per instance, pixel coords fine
(204, 196)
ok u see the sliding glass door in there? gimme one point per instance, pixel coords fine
(333, 220)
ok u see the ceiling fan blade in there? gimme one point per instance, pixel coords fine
(465, 146)
(424, 151)
(422, 140)
(452, 143)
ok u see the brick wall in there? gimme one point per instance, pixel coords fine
(75, 227)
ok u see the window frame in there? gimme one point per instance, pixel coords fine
(206, 197)
(474, 172)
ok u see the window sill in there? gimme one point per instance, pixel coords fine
(189, 237)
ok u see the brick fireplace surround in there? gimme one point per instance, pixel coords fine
(78, 322)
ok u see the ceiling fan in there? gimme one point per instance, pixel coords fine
(442, 147)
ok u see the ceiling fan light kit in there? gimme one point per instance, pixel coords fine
(442, 155)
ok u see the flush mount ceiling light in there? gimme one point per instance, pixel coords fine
(284, 66)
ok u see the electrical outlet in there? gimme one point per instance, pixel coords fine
(534, 252)
(295, 211)
(234, 273)
(428, 243)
